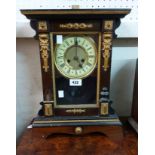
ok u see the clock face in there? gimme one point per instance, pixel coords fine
(76, 57)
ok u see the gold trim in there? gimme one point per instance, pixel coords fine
(78, 12)
(76, 111)
(75, 26)
(93, 105)
(48, 102)
(42, 25)
(48, 110)
(104, 109)
(53, 69)
(81, 32)
(106, 47)
(108, 25)
(75, 121)
(44, 47)
(98, 69)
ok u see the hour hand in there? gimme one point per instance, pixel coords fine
(76, 58)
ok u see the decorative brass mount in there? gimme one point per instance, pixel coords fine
(48, 108)
(75, 26)
(108, 25)
(44, 47)
(75, 110)
(42, 25)
(104, 109)
(106, 47)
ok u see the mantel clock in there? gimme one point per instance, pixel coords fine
(75, 54)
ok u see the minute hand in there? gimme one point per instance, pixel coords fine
(76, 58)
(76, 43)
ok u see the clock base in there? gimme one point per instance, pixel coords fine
(109, 126)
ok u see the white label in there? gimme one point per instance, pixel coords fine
(59, 39)
(60, 93)
(75, 82)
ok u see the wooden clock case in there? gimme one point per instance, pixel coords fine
(103, 23)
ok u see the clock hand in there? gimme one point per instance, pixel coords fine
(80, 65)
(76, 47)
(76, 58)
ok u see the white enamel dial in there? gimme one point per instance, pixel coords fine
(76, 57)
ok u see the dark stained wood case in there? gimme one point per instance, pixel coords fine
(82, 21)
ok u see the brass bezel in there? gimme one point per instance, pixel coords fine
(96, 105)
(93, 67)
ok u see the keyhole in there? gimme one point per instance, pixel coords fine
(68, 61)
(82, 60)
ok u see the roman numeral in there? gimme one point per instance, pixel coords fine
(91, 56)
(61, 49)
(89, 64)
(83, 69)
(83, 43)
(60, 56)
(89, 48)
(68, 71)
(62, 65)
(76, 72)
(67, 43)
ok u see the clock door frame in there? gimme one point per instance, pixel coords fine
(80, 109)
